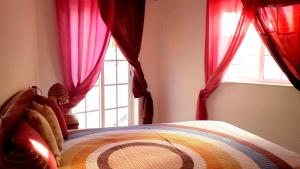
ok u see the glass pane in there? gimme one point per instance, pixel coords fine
(93, 119)
(245, 64)
(123, 72)
(110, 97)
(92, 99)
(123, 116)
(122, 95)
(109, 72)
(120, 55)
(272, 71)
(284, 77)
(110, 118)
(80, 107)
(111, 51)
(81, 120)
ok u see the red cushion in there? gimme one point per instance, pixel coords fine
(59, 115)
(18, 158)
(28, 139)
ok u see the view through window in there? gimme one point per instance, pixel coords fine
(108, 103)
(252, 62)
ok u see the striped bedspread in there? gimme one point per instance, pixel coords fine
(185, 145)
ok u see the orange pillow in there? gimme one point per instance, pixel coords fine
(48, 113)
(40, 124)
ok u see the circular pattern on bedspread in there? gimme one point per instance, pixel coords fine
(186, 147)
(144, 155)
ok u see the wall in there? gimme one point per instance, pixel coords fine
(48, 45)
(175, 76)
(28, 46)
(18, 46)
(173, 57)
(149, 51)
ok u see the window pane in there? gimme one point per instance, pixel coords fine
(272, 71)
(110, 118)
(229, 18)
(122, 95)
(81, 120)
(80, 107)
(92, 99)
(123, 72)
(109, 72)
(123, 117)
(110, 97)
(111, 51)
(284, 77)
(245, 64)
(120, 55)
(93, 119)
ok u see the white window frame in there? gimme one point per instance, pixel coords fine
(260, 79)
(132, 114)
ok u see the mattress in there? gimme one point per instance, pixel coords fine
(184, 145)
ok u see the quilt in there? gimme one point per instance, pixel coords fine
(184, 145)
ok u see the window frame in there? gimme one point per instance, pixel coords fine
(101, 89)
(260, 79)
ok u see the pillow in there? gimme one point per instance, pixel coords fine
(40, 124)
(28, 147)
(18, 158)
(48, 113)
(59, 115)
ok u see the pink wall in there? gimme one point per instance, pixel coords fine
(18, 46)
(28, 46)
(49, 62)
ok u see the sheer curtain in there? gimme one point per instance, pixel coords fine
(218, 51)
(277, 22)
(279, 28)
(125, 19)
(83, 39)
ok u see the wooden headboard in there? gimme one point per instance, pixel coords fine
(11, 112)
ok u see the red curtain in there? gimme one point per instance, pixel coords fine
(279, 28)
(125, 19)
(218, 51)
(83, 39)
(277, 21)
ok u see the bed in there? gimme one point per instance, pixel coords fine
(186, 145)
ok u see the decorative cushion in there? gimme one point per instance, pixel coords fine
(59, 115)
(18, 158)
(29, 150)
(40, 124)
(48, 113)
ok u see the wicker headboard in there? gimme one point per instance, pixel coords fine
(11, 112)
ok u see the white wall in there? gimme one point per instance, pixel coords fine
(18, 46)
(174, 39)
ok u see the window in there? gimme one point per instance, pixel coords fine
(252, 62)
(108, 103)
